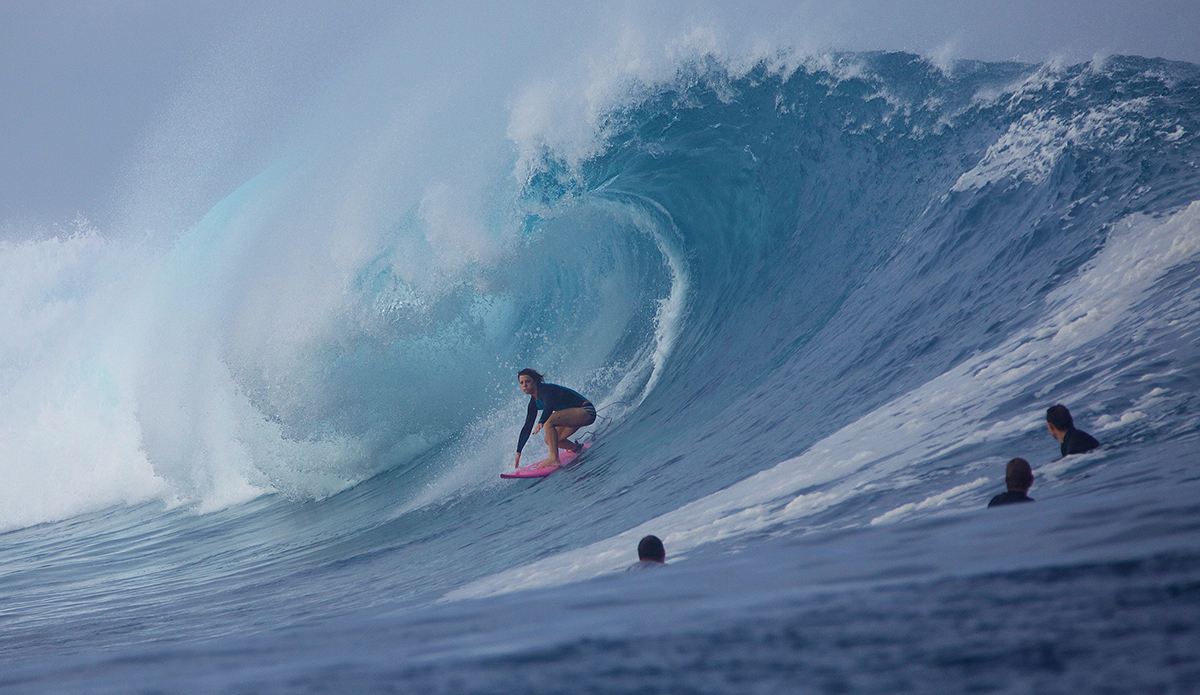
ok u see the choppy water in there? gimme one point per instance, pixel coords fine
(819, 303)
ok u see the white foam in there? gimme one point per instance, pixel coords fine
(671, 313)
(69, 434)
(116, 385)
(941, 499)
(1029, 149)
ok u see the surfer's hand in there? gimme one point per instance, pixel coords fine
(538, 428)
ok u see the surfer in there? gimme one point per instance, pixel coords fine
(1062, 428)
(563, 412)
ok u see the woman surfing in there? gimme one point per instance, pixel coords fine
(563, 412)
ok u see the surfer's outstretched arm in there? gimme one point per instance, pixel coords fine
(530, 415)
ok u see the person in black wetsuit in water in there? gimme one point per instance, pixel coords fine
(1018, 476)
(563, 412)
(1062, 428)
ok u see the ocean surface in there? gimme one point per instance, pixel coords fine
(819, 302)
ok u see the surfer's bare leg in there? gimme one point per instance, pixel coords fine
(552, 442)
(563, 424)
(563, 433)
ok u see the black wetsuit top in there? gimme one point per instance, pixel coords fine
(1078, 442)
(1010, 497)
(551, 397)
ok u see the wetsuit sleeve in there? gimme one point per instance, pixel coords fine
(530, 414)
(549, 395)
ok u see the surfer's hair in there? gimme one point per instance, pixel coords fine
(651, 548)
(1060, 417)
(1018, 475)
(532, 374)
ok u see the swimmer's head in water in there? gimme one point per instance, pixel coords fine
(651, 549)
(1060, 417)
(529, 379)
(1018, 475)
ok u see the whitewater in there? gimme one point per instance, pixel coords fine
(820, 298)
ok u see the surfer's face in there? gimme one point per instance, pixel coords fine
(528, 385)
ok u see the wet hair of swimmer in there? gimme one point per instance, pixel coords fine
(1060, 417)
(651, 548)
(531, 373)
(1018, 476)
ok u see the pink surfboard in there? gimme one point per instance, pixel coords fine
(532, 470)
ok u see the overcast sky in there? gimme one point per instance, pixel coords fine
(84, 82)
